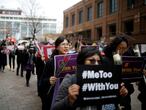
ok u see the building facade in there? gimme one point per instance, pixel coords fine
(94, 20)
(13, 23)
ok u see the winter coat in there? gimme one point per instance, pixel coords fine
(142, 89)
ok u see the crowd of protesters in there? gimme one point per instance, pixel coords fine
(25, 56)
(28, 58)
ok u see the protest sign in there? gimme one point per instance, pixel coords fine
(99, 84)
(46, 50)
(132, 68)
(65, 64)
(143, 48)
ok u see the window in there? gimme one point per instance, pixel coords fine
(128, 27)
(80, 17)
(99, 32)
(89, 14)
(66, 22)
(112, 30)
(145, 2)
(73, 19)
(130, 4)
(100, 9)
(113, 6)
(143, 24)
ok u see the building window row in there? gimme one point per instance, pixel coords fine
(89, 14)
(10, 12)
(83, 16)
(25, 29)
(128, 28)
(26, 18)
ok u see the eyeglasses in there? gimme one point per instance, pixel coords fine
(64, 44)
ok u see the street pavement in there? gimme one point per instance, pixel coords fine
(14, 95)
(135, 102)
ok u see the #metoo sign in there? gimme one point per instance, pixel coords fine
(99, 84)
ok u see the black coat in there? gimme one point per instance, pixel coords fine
(39, 66)
(3, 58)
(124, 101)
(45, 89)
(47, 73)
(19, 54)
(142, 89)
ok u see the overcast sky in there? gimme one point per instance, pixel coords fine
(49, 8)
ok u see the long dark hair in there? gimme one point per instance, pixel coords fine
(58, 41)
(113, 45)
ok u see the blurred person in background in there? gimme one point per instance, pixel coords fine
(12, 56)
(142, 87)
(39, 64)
(119, 46)
(19, 53)
(3, 55)
(29, 63)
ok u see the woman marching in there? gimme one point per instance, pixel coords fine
(48, 78)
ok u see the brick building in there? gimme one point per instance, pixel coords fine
(94, 20)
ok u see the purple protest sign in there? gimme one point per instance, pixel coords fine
(132, 68)
(65, 64)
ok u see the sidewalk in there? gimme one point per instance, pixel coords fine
(14, 95)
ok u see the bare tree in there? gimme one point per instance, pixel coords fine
(31, 9)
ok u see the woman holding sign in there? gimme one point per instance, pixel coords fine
(117, 48)
(69, 90)
(48, 78)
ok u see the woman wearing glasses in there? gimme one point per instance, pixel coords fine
(120, 45)
(48, 79)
